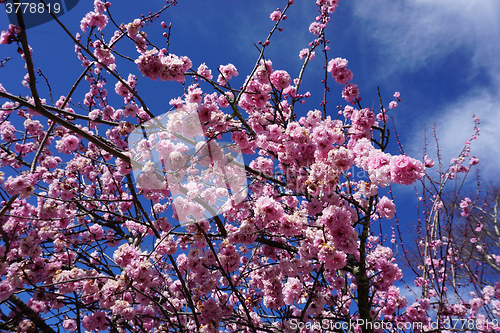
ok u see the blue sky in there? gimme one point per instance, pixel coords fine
(442, 57)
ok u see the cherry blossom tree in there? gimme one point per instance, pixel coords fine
(476, 233)
(115, 220)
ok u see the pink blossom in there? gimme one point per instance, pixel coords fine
(204, 71)
(496, 307)
(268, 209)
(291, 225)
(99, 6)
(393, 104)
(246, 233)
(275, 16)
(386, 208)
(406, 170)
(6, 290)
(345, 239)
(228, 71)
(7, 131)
(140, 270)
(338, 283)
(105, 57)
(292, 290)
(228, 257)
(328, 5)
(166, 245)
(337, 67)
(256, 96)
(6, 37)
(475, 304)
(95, 321)
(350, 92)
(68, 144)
(141, 43)
(429, 162)
(304, 52)
(22, 185)
(69, 325)
(474, 160)
(290, 91)
(263, 72)
(332, 258)
(166, 67)
(315, 28)
(280, 79)
(325, 137)
(465, 205)
(122, 89)
(241, 139)
(194, 95)
(211, 311)
(122, 308)
(14, 29)
(133, 28)
(94, 19)
(125, 254)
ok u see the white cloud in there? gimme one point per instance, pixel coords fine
(455, 126)
(409, 33)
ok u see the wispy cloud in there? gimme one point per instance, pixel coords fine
(409, 33)
(455, 126)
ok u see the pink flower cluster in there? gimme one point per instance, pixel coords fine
(256, 96)
(7, 131)
(204, 71)
(392, 301)
(95, 18)
(327, 5)
(337, 67)
(22, 185)
(465, 205)
(316, 27)
(267, 209)
(388, 271)
(350, 92)
(133, 28)
(67, 144)
(280, 79)
(95, 321)
(384, 169)
(406, 170)
(187, 210)
(338, 221)
(9, 36)
(386, 208)
(304, 52)
(105, 56)
(227, 73)
(154, 65)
